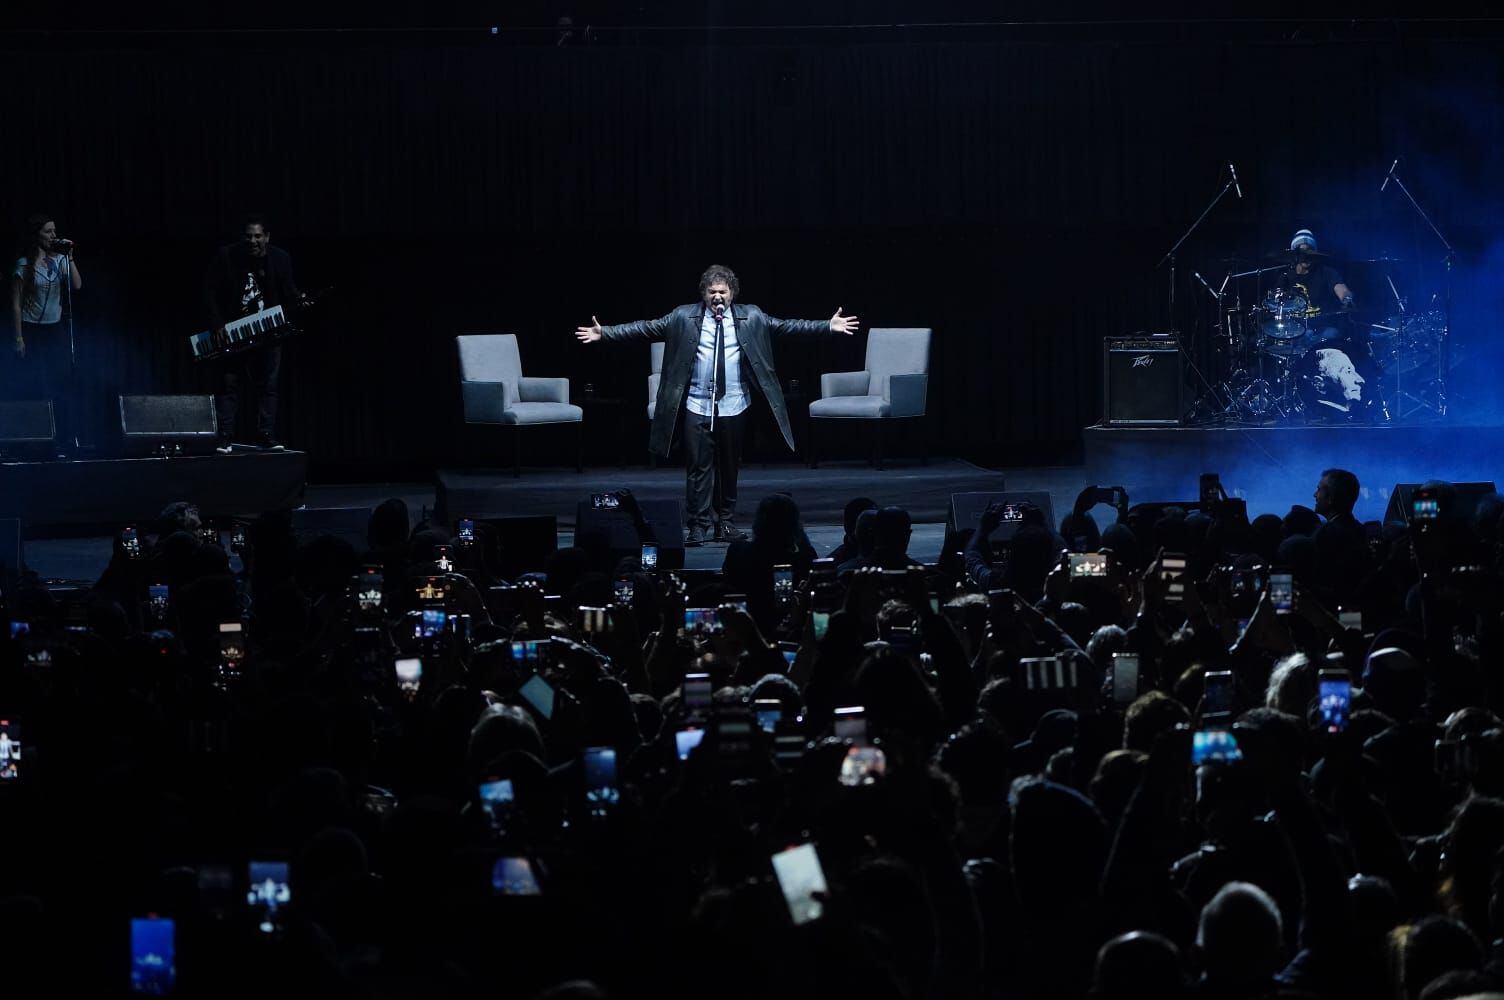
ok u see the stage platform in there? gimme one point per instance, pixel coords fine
(822, 493)
(62, 497)
(1273, 467)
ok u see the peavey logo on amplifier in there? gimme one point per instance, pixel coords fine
(1143, 361)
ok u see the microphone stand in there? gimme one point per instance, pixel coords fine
(72, 357)
(1443, 364)
(714, 366)
(1170, 254)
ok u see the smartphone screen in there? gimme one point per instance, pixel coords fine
(697, 693)
(1350, 619)
(431, 622)
(231, 642)
(497, 799)
(862, 765)
(1334, 698)
(701, 621)
(594, 620)
(1213, 745)
(443, 558)
(130, 543)
(1047, 673)
(409, 675)
(1087, 564)
(1282, 592)
(538, 693)
(1124, 677)
(156, 599)
(801, 878)
(768, 712)
(1217, 693)
(649, 558)
(154, 964)
(1425, 508)
(601, 792)
(605, 501)
(268, 893)
(783, 583)
(850, 724)
(10, 750)
(528, 653)
(821, 621)
(626, 590)
(687, 739)
(789, 656)
(433, 590)
(1172, 572)
(465, 529)
(369, 585)
(514, 877)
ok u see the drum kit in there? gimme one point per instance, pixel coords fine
(1280, 360)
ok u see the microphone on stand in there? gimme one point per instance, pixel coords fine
(58, 243)
(1389, 174)
(1235, 186)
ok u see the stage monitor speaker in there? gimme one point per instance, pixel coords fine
(966, 511)
(183, 423)
(1468, 495)
(1142, 382)
(613, 529)
(347, 523)
(26, 427)
(12, 562)
(526, 541)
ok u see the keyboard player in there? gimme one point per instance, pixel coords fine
(244, 278)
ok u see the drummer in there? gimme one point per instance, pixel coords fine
(1329, 299)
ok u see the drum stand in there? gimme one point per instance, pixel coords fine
(1443, 354)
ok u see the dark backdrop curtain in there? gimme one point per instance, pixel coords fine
(1013, 196)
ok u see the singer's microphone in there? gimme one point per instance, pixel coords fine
(65, 244)
(719, 310)
(1390, 174)
(1235, 185)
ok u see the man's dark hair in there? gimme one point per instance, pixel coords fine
(254, 219)
(720, 272)
(1344, 488)
(854, 510)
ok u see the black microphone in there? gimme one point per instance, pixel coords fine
(58, 241)
(719, 310)
(1235, 186)
(1390, 174)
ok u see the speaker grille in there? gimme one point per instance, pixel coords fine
(167, 418)
(26, 422)
(1141, 382)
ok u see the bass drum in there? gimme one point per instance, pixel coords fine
(1329, 385)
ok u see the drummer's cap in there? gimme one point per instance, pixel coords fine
(1304, 241)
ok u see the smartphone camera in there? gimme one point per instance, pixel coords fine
(154, 966)
(1334, 699)
(605, 501)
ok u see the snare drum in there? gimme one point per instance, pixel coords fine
(1283, 325)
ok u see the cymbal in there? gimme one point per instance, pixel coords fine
(1377, 260)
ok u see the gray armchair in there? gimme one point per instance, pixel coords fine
(893, 386)
(495, 392)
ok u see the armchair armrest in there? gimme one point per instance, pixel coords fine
(844, 384)
(542, 390)
(906, 394)
(484, 402)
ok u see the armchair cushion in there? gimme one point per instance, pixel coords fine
(543, 413)
(850, 407)
(844, 384)
(542, 390)
(491, 357)
(896, 351)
